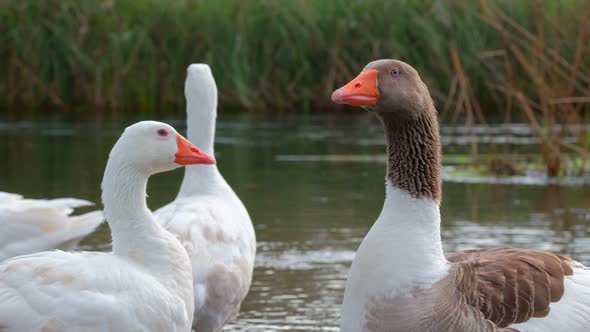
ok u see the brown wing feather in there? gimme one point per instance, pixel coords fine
(510, 285)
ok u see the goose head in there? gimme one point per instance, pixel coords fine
(200, 88)
(387, 86)
(153, 147)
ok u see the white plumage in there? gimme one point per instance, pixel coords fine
(84, 291)
(144, 284)
(33, 225)
(209, 219)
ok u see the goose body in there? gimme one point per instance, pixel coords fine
(209, 219)
(33, 225)
(144, 284)
(400, 279)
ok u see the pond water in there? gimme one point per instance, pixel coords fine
(313, 186)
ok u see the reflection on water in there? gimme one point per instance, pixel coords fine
(310, 213)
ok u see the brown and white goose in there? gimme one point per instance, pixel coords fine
(401, 280)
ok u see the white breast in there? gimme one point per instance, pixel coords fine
(220, 241)
(401, 251)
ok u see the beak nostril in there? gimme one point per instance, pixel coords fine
(194, 150)
(357, 85)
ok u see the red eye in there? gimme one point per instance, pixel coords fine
(163, 132)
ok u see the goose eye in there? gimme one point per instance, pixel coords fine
(394, 72)
(162, 132)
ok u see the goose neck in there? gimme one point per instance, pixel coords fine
(414, 154)
(201, 126)
(201, 180)
(125, 208)
(410, 227)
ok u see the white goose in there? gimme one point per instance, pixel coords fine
(33, 225)
(400, 280)
(144, 284)
(209, 219)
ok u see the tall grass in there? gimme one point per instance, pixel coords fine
(544, 71)
(266, 55)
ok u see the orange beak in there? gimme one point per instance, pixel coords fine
(361, 91)
(188, 154)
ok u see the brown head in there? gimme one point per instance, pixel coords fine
(387, 86)
(394, 90)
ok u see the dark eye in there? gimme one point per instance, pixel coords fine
(163, 132)
(394, 72)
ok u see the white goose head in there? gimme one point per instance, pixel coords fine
(152, 147)
(144, 149)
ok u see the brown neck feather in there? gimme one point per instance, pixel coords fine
(414, 153)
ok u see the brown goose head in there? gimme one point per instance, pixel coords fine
(387, 86)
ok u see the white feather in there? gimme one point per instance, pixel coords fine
(33, 225)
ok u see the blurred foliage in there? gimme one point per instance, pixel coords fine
(266, 55)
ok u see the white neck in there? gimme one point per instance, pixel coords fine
(201, 115)
(136, 236)
(201, 180)
(404, 244)
(411, 227)
(134, 232)
(200, 92)
(201, 109)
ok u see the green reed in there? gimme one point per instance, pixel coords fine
(265, 55)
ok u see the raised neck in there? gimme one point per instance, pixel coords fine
(201, 111)
(136, 236)
(414, 153)
(200, 179)
(201, 108)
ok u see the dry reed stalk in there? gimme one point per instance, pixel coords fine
(554, 106)
(465, 98)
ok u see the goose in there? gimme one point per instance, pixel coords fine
(33, 225)
(209, 219)
(144, 284)
(400, 279)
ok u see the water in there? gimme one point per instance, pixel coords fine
(313, 186)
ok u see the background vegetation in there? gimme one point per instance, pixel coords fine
(283, 55)
(503, 59)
